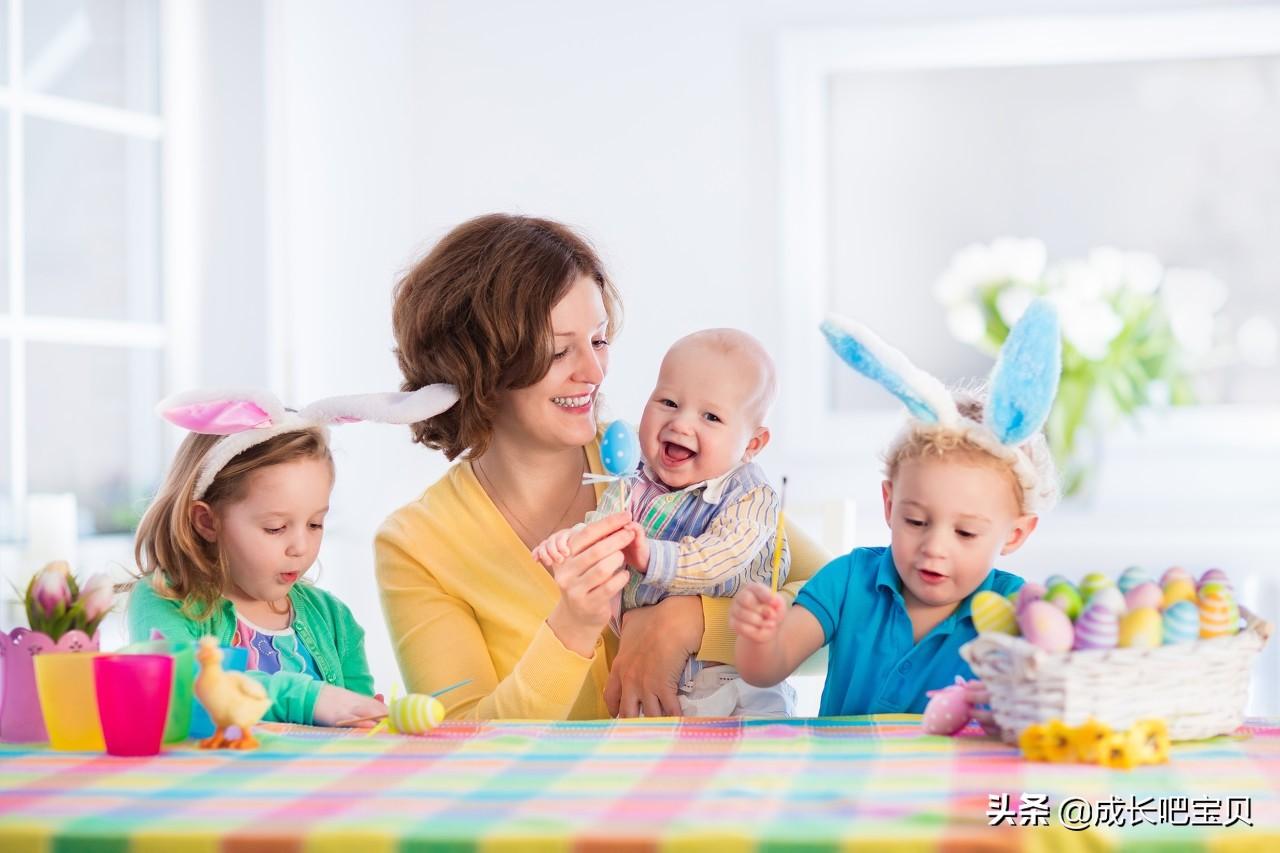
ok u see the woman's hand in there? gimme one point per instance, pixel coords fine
(655, 644)
(588, 581)
(336, 706)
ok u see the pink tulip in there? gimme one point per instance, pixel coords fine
(97, 596)
(49, 589)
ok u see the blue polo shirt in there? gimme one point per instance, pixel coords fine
(874, 666)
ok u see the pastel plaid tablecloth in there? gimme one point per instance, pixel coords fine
(821, 784)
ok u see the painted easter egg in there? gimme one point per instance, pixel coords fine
(1174, 572)
(1215, 616)
(620, 449)
(1066, 598)
(1179, 589)
(1215, 576)
(1144, 595)
(992, 612)
(1098, 627)
(1046, 626)
(1214, 588)
(1131, 577)
(1181, 623)
(1111, 598)
(1028, 593)
(1091, 583)
(1053, 580)
(416, 713)
(1141, 629)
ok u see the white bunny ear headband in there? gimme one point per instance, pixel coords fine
(248, 418)
(1021, 390)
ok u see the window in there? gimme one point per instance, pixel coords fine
(84, 341)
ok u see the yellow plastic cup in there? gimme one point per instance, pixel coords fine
(69, 701)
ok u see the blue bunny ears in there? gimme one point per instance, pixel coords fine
(1020, 392)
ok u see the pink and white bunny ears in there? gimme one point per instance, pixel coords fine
(248, 418)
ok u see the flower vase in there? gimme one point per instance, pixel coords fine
(21, 720)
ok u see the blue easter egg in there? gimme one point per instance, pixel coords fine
(1181, 623)
(1132, 577)
(620, 449)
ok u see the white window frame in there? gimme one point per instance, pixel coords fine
(174, 336)
(812, 430)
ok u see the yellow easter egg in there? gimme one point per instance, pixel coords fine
(1141, 629)
(1179, 589)
(416, 714)
(1216, 617)
(993, 612)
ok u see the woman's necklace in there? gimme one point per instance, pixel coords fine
(527, 532)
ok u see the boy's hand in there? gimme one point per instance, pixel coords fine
(637, 553)
(337, 706)
(555, 549)
(756, 613)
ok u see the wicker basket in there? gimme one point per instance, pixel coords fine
(1200, 689)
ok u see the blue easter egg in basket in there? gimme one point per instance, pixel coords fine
(620, 449)
(1181, 623)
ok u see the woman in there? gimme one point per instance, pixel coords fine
(517, 313)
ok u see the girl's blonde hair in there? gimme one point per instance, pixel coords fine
(171, 554)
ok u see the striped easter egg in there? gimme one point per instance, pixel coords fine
(1181, 623)
(416, 713)
(992, 612)
(1214, 587)
(1053, 580)
(1215, 616)
(1144, 595)
(1111, 598)
(1091, 583)
(1215, 576)
(1131, 577)
(1174, 572)
(1099, 627)
(1179, 589)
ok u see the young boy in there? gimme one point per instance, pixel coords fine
(704, 514)
(962, 486)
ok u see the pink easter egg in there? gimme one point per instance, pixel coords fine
(1175, 572)
(1029, 592)
(1047, 627)
(948, 711)
(1144, 595)
(1097, 628)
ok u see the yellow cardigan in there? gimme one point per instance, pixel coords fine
(464, 599)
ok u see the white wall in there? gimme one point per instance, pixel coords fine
(652, 127)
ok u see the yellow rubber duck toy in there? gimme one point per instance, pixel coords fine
(231, 698)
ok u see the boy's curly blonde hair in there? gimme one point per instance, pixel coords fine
(1032, 474)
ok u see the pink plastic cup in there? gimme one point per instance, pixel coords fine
(133, 701)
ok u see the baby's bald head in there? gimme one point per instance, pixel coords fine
(750, 362)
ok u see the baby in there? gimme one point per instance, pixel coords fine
(965, 481)
(704, 514)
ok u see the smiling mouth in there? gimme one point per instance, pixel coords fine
(582, 401)
(675, 454)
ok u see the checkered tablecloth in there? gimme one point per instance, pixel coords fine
(820, 784)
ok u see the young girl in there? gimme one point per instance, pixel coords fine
(235, 526)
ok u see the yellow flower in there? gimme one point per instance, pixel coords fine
(1151, 737)
(1120, 751)
(1088, 739)
(1031, 741)
(1058, 745)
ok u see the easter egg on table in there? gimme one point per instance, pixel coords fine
(1181, 623)
(1144, 595)
(619, 449)
(1091, 583)
(1028, 593)
(1174, 572)
(1047, 627)
(1098, 627)
(992, 612)
(1111, 598)
(415, 714)
(1131, 577)
(1179, 589)
(1141, 629)
(1065, 597)
(1215, 616)
(1215, 576)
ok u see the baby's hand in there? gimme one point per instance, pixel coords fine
(555, 549)
(976, 693)
(336, 706)
(637, 553)
(756, 613)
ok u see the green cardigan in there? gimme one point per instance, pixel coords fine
(323, 624)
